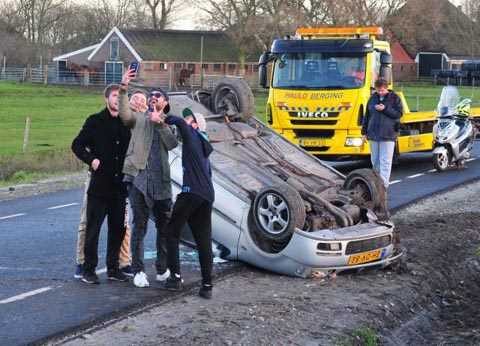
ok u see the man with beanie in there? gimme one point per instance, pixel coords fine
(147, 173)
(194, 203)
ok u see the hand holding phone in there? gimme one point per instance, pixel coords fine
(134, 67)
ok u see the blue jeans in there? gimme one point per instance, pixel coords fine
(381, 156)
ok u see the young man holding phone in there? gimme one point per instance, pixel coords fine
(380, 127)
(147, 173)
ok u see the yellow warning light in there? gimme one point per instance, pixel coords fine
(340, 31)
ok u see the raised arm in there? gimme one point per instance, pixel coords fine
(181, 126)
(124, 112)
(126, 115)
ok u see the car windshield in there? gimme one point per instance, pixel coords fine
(319, 70)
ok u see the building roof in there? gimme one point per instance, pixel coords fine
(445, 29)
(80, 51)
(183, 45)
(399, 54)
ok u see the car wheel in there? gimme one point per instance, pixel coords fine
(367, 187)
(277, 211)
(233, 96)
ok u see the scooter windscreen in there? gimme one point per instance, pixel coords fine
(448, 100)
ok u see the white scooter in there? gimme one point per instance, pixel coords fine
(453, 133)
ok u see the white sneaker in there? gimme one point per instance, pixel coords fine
(140, 280)
(164, 276)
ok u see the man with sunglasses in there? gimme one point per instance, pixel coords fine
(147, 173)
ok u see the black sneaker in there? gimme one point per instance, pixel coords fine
(78, 271)
(173, 283)
(127, 271)
(90, 278)
(205, 291)
(117, 275)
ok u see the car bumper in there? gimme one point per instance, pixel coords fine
(302, 256)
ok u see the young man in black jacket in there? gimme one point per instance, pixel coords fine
(194, 203)
(380, 126)
(102, 144)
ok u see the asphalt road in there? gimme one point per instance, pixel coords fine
(39, 297)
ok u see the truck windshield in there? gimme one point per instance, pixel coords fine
(319, 71)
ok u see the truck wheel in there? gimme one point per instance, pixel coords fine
(277, 211)
(441, 161)
(368, 188)
(232, 96)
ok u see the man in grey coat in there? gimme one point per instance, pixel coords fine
(147, 173)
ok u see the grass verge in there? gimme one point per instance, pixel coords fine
(364, 336)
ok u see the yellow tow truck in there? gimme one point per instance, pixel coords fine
(319, 84)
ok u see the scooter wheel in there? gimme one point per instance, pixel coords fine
(441, 161)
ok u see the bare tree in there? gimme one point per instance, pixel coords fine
(166, 9)
(237, 18)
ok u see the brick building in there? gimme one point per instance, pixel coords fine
(169, 58)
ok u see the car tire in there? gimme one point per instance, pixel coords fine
(233, 95)
(277, 211)
(370, 187)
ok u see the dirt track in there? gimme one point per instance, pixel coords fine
(435, 300)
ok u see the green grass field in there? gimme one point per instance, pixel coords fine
(57, 113)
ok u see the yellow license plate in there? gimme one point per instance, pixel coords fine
(364, 257)
(312, 142)
(415, 142)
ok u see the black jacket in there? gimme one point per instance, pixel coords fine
(105, 138)
(197, 173)
(383, 126)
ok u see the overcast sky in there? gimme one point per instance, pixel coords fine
(190, 17)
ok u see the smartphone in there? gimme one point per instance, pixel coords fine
(134, 66)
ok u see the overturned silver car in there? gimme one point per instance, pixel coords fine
(277, 207)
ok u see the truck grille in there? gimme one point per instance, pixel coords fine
(306, 133)
(358, 246)
(313, 122)
(315, 148)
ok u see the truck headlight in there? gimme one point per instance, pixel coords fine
(354, 142)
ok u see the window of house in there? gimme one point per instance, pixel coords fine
(255, 68)
(401, 68)
(232, 67)
(178, 65)
(147, 66)
(191, 67)
(163, 66)
(205, 67)
(217, 67)
(114, 49)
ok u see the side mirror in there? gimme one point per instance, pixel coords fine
(386, 67)
(262, 69)
(385, 59)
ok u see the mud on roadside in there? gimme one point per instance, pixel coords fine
(434, 300)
